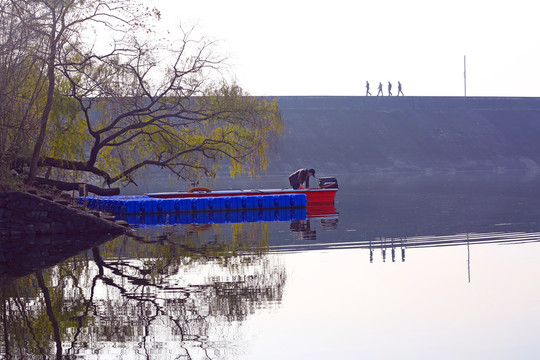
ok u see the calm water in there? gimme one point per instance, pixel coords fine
(406, 267)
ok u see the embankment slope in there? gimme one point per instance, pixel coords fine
(408, 134)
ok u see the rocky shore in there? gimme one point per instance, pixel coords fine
(29, 214)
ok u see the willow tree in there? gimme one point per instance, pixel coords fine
(21, 88)
(121, 96)
(51, 28)
(151, 105)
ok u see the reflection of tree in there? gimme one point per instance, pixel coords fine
(186, 286)
(36, 311)
(50, 313)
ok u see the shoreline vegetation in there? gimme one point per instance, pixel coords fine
(72, 112)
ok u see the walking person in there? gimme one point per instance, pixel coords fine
(367, 89)
(399, 89)
(389, 88)
(380, 89)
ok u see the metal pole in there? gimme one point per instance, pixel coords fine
(465, 74)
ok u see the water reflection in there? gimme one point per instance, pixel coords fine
(187, 290)
(232, 216)
(138, 294)
(302, 228)
(26, 255)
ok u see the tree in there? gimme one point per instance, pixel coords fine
(56, 26)
(21, 84)
(137, 99)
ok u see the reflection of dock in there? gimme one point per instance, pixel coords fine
(326, 213)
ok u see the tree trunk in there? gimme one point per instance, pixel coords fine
(46, 110)
(68, 186)
(50, 314)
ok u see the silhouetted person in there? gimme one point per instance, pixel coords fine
(380, 89)
(399, 89)
(389, 88)
(367, 89)
(297, 178)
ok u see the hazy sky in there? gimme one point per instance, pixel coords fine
(301, 47)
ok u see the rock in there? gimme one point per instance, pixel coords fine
(122, 223)
(23, 214)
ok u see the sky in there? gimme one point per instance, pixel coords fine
(331, 48)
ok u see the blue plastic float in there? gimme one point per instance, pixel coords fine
(144, 205)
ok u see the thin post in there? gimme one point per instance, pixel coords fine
(465, 74)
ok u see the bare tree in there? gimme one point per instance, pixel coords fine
(178, 122)
(57, 25)
(21, 84)
(135, 98)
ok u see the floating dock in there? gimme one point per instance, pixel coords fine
(144, 205)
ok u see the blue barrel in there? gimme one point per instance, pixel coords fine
(217, 203)
(122, 209)
(133, 206)
(159, 205)
(169, 205)
(104, 204)
(122, 206)
(151, 206)
(180, 205)
(115, 206)
(128, 204)
(266, 201)
(283, 200)
(142, 206)
(101, 204)
(250, 202)
(163, 206)
(297, 200)
(228, 202)
(200, 204)
(236, 202)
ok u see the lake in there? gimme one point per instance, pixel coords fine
(406, 266)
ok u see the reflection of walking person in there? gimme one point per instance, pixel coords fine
(380, 89)
(367, 89)
(399, 89)
(389, 88)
